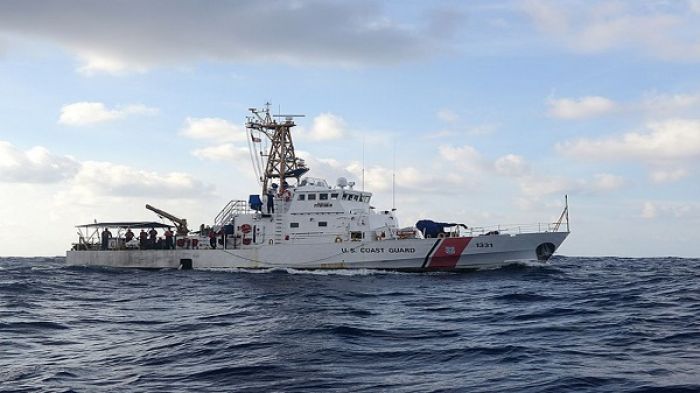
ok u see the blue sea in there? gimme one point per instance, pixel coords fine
(574, 325)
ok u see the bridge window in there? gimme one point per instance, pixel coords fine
(323, 197)
(345, 197)
(312, 197)
(334, 196)
(294, 225)
(302, 197)
(365, 198)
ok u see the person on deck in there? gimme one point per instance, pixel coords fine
(271, 198)
(212, 238)
(152, 233)
(106, 235)
(169, 244)
(285, 193)
(128, 236)
(143, 238)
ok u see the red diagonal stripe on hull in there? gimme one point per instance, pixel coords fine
(448, 252)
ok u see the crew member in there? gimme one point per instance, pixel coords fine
(169, 245)
(106, 235)
(271, 199)
(212, 238)
(128, 236)
(143, 238)
(285, 193)
(152, 233)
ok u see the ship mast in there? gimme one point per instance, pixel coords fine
(282, 162)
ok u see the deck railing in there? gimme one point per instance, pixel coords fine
(233, 208)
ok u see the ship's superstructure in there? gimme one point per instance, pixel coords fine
(303, 222)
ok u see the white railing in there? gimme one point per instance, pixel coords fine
(233, 208)
(510, 229)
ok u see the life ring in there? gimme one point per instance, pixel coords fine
(338, 239)
(246, 228)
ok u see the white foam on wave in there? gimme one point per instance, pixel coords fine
(45, 267)
(318, 272)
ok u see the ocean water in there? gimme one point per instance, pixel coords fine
(575, 325)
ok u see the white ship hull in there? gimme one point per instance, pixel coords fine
(450, 253)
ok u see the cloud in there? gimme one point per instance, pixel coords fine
(325, 127)
(36, 165)
(585, 107)
(688, 211)
(94, 63)
(213, 129)
(649, 210)
(694, 6)
(447, 116)
(122, 37)
(535, 186)
(116, 180)
(225, 152)
(465, 158)
(89, 180)
(88, 113)
(607, 182)
(669, 104)
(667, 140)
(511, 165)
(652, 104)
(667, 175)
(668, 33)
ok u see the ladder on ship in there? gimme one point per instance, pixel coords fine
(279, 221)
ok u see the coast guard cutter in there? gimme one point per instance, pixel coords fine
(304, 223)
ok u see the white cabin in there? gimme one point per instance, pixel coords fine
(311, 213)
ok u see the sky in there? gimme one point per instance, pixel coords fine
(486, 112)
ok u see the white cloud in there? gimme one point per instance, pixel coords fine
(669, 33)
(667, 175)
(326, 127)
(96, 64)
(694, 6)
(88, 113)
(649, 210)
(447, 116)
(511, 165)
(607, 182)
(585, 107)
(104, 178)
(465, 158)
(652, 104)
(213, 129)
(668, 140)
(225, 152)
(673, 210)
(139, 35)
(36, 165)
(669, 104)
(537, 186)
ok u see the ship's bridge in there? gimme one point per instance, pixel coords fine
(318, 210)
(314, 195)
(313, 183)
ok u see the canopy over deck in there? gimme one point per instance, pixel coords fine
(126, 224)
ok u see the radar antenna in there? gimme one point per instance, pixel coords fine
(280, 161)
